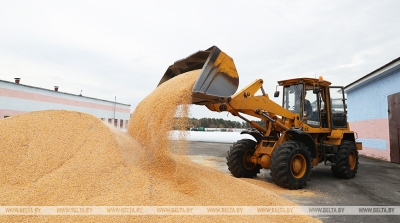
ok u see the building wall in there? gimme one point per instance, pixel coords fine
(368, 114)
(16, 99)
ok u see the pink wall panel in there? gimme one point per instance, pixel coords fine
(376, 153)
(9, 112)
(373, 129)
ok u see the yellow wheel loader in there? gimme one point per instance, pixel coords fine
(309, 127)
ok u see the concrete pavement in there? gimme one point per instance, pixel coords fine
(377, 183)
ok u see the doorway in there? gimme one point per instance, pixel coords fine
(394, 126)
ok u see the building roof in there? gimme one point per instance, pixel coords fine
(380, 72)
(59, 92)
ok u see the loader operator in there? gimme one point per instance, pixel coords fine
(307, 106)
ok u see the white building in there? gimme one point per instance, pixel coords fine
(16, 98)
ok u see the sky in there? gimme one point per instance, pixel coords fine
(122, 49)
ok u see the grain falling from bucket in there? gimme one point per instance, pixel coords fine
(155, 116)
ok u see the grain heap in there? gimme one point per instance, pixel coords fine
(69, 158)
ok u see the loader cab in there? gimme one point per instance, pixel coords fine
(307, 97)
(304, 100)
(316, 102)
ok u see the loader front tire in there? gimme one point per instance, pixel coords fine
(291, 165)
(238, 159)
(346, 160)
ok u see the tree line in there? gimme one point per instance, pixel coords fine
(219, 123)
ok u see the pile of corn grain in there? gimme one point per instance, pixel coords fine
(65, 158)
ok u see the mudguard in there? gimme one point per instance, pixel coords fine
(304, 137)
(256, 134)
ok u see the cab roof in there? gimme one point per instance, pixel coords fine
(306, 80)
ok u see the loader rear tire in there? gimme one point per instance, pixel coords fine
(346, 160)
(291, 165)
(238, 159)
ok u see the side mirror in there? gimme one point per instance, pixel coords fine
(316, 90)
(276, 94)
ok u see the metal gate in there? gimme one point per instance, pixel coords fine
(394, 126)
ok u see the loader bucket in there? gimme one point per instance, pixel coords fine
(218, 78)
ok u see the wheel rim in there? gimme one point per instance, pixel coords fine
(298, 166)
(247, 160)
(352, 160)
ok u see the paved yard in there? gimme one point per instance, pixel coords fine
(377, 183)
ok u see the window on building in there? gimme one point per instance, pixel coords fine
(102, 119)
(115, 122)
(121, 123)
(6, 116)
(126, 123)
(109, 120)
